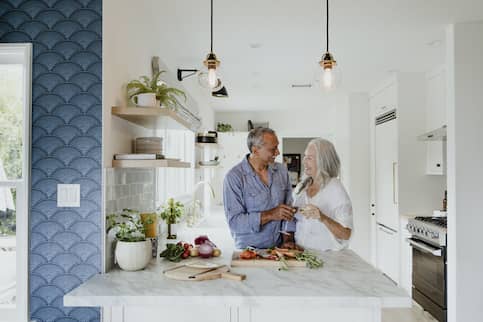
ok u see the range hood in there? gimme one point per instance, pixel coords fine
(436, 135)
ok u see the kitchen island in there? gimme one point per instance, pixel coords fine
(345, 289)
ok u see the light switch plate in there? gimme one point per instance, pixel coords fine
(68, 195)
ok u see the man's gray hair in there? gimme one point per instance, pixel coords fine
(328, 163)
(255, 136)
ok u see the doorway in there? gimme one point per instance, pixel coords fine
(293, 150)
(15, 111)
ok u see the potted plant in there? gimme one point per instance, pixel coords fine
(171, 213)
(133, 251)
(164, 95)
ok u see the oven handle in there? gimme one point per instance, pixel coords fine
(424, 248)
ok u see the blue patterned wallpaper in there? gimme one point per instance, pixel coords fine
(65, 243)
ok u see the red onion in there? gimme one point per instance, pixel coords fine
(201, 239)
(205, 250)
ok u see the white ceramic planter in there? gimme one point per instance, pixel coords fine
(133, 256)
(145, 99)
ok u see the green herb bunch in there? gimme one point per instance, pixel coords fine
(222, 127)
(173, 252)
(128, 226)
(168, 96)
(310, 259)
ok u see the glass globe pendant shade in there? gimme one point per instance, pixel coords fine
(329, 75)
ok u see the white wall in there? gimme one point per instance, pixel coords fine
(360, 175)
(465, 171)
(127, 52)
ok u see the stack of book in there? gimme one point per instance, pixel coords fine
(138, 156)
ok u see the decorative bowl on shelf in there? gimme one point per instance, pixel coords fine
(209, 163)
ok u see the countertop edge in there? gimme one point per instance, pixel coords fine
(340, 301)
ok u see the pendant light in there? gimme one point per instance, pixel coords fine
(329, 74)
(210, 78)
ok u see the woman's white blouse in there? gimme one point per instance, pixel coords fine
(334, 202)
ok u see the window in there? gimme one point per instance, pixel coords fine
(15, 80)
(176, 182)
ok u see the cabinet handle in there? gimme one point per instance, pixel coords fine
(394, 164)
(386, 230)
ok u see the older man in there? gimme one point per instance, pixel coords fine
(257, 195)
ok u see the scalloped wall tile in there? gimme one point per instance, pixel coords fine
(65, 245)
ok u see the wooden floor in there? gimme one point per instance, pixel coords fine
(414, 314)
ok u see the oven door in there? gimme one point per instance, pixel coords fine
(429, 276)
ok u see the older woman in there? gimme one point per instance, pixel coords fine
(324, 220)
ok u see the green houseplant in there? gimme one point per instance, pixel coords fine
(133, 251)
(171, 213)
(168, 96)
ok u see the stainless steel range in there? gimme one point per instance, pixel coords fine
(428, 241)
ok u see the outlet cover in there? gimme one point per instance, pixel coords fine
(68, 195)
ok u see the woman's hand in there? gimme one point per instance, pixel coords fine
(310, 212)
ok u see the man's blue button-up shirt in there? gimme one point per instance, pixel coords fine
(245, 196)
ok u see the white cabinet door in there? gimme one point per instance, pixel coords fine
(386, 156)
(406, 269)
(173, 314)
(388, 252)
(434, 158)
(435, 118)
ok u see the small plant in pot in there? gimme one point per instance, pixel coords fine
(171, 213)
(133, 251)
(164, 95)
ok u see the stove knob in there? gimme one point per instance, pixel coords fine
(434, 235)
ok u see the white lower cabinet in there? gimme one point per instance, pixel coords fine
(320, 313)
(256, 313)
(172, 314)
(388, 252)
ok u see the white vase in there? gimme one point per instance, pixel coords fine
(133, 256)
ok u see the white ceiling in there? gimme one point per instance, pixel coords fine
(369, 39)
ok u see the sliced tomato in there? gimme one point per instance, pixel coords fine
(248, 254)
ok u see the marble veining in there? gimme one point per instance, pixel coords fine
(345, 280)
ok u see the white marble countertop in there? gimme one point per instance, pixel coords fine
(345, 281)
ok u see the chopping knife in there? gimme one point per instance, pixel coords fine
(223, 274)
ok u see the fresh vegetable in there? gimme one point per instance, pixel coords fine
(203, 239)
(248, 254)
(216, 252)
(205, 250)
(310, 259)
(194, 252)
(173, 252)
(287, 252)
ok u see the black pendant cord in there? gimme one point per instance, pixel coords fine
(327, 27)
(211, 49)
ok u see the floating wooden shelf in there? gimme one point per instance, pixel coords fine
(149, 164)
(152, 117)
(208, 166)
(206, 145)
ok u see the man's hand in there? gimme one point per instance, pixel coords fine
(281, 212)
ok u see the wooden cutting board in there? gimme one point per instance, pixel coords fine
(187, 273)
(261, 262)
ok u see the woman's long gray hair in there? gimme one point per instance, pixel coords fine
(328, 164)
